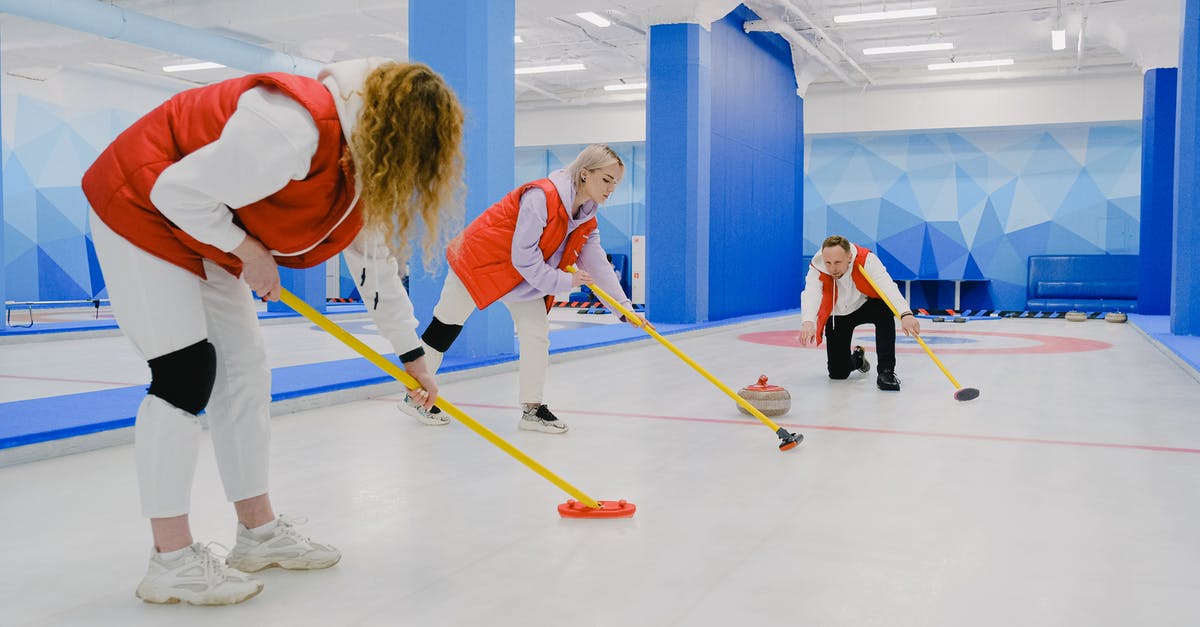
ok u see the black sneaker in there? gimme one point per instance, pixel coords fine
(859, 356)
(887, 381)
(540, 419)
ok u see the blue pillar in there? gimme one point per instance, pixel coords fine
(307, 284)
(678, 150)
(470, 43)
(3, 265)
(1185, 296)
(1158, 190)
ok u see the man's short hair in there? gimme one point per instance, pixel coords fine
(836, 240)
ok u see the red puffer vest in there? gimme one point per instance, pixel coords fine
(482, 254)
(828, 285)
(306, 222)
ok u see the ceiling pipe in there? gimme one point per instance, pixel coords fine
(783, 29)
(113, 22)
(549, 94)
(788, 6)
(971, 77)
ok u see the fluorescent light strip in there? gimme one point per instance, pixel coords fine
(546, 69)
(594, 18)
(624, 87)
(188, 67)
(965, 65)
(1058, 39)
(884, 15)
(631, 97)
(912, 48)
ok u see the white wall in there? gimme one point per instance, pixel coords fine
(1073, 99)
(984, 103)
(589, 124)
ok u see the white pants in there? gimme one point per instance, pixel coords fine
(162, 308)
(455, 305)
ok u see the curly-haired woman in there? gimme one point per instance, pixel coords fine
(198, 203)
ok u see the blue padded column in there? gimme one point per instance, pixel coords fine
(470, 43)
(3, 265)
(1185, 295)
(1158, 190)
(308, 284)
(757, 182)
(678, 149)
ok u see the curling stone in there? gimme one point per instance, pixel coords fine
(771, 400)
(1115, 316)
(1076, 316)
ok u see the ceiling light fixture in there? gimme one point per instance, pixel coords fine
(624, 86)
(546, 69)
(188, 67)
(965, 65)
(517, 39)
(1058, 39)
(912, 48)
(884, 15)
(594, 18)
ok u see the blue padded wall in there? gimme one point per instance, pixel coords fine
(470, 43)
(678, 140)
(976, 203)
(724, 134)
(756, 208)
(1158, 190)
(1185, 294)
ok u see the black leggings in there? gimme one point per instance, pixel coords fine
(840, 329)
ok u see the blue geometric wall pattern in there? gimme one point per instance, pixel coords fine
(975, 204)
(47, 145)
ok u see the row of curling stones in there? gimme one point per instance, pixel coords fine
(1112, 316)
(771, 400)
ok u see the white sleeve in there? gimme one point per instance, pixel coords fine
(269, 140)
(885, 283)
(594, 261)
(810, 298)
(377, 277)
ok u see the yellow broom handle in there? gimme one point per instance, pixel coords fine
(918, 336)
(400, 375)
(629, 315)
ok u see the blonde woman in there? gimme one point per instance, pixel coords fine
(517, 253)
(198, 203)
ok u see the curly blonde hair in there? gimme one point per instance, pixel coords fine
(407, 152)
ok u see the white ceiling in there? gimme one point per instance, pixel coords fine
(1119, 36)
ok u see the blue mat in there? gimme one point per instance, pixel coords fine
(57, 417)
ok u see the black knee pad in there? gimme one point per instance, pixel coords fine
(185, 377)
(439, 335)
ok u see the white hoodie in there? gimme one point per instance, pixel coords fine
(268, 141)
(846, 294)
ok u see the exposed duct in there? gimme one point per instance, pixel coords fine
(794, 38)
(788, 6)
(113, 22)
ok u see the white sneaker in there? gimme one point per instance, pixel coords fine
(433, 417)
(282, 546)
(198, 578)
(540, 419)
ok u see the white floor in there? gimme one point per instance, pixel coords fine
(1066, 495)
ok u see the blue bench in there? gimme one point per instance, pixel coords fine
(1082, 283)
